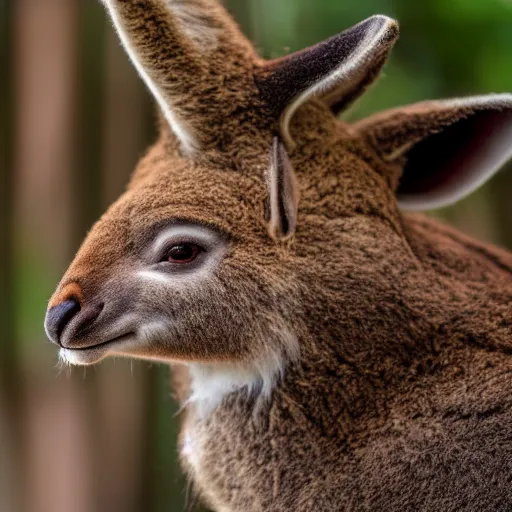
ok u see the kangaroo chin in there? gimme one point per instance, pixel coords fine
(95, 353)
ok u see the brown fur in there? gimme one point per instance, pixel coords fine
(400, 399)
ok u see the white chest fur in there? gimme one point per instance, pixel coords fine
(210, 383)
(191, 450)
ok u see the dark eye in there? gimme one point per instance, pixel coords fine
(183, 253)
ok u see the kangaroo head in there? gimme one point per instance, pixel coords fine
(254, 187)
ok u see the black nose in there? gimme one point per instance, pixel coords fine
(58, 317)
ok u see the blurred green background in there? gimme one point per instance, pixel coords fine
(74, 119)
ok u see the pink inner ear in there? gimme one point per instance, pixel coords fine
(449, 165)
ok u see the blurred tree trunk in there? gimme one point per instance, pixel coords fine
(45, 54)
(10, 405)
(45, 87)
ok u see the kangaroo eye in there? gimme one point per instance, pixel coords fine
(183, 253)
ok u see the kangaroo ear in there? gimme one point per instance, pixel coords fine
(338, 70)
(443, 150)
(183, 50)
(283, 194)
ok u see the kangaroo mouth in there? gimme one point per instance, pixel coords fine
(94, 353)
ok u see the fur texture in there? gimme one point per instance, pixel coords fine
(361, 360)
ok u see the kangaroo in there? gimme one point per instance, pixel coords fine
(333, 349)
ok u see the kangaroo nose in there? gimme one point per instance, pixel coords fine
(58, 317)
